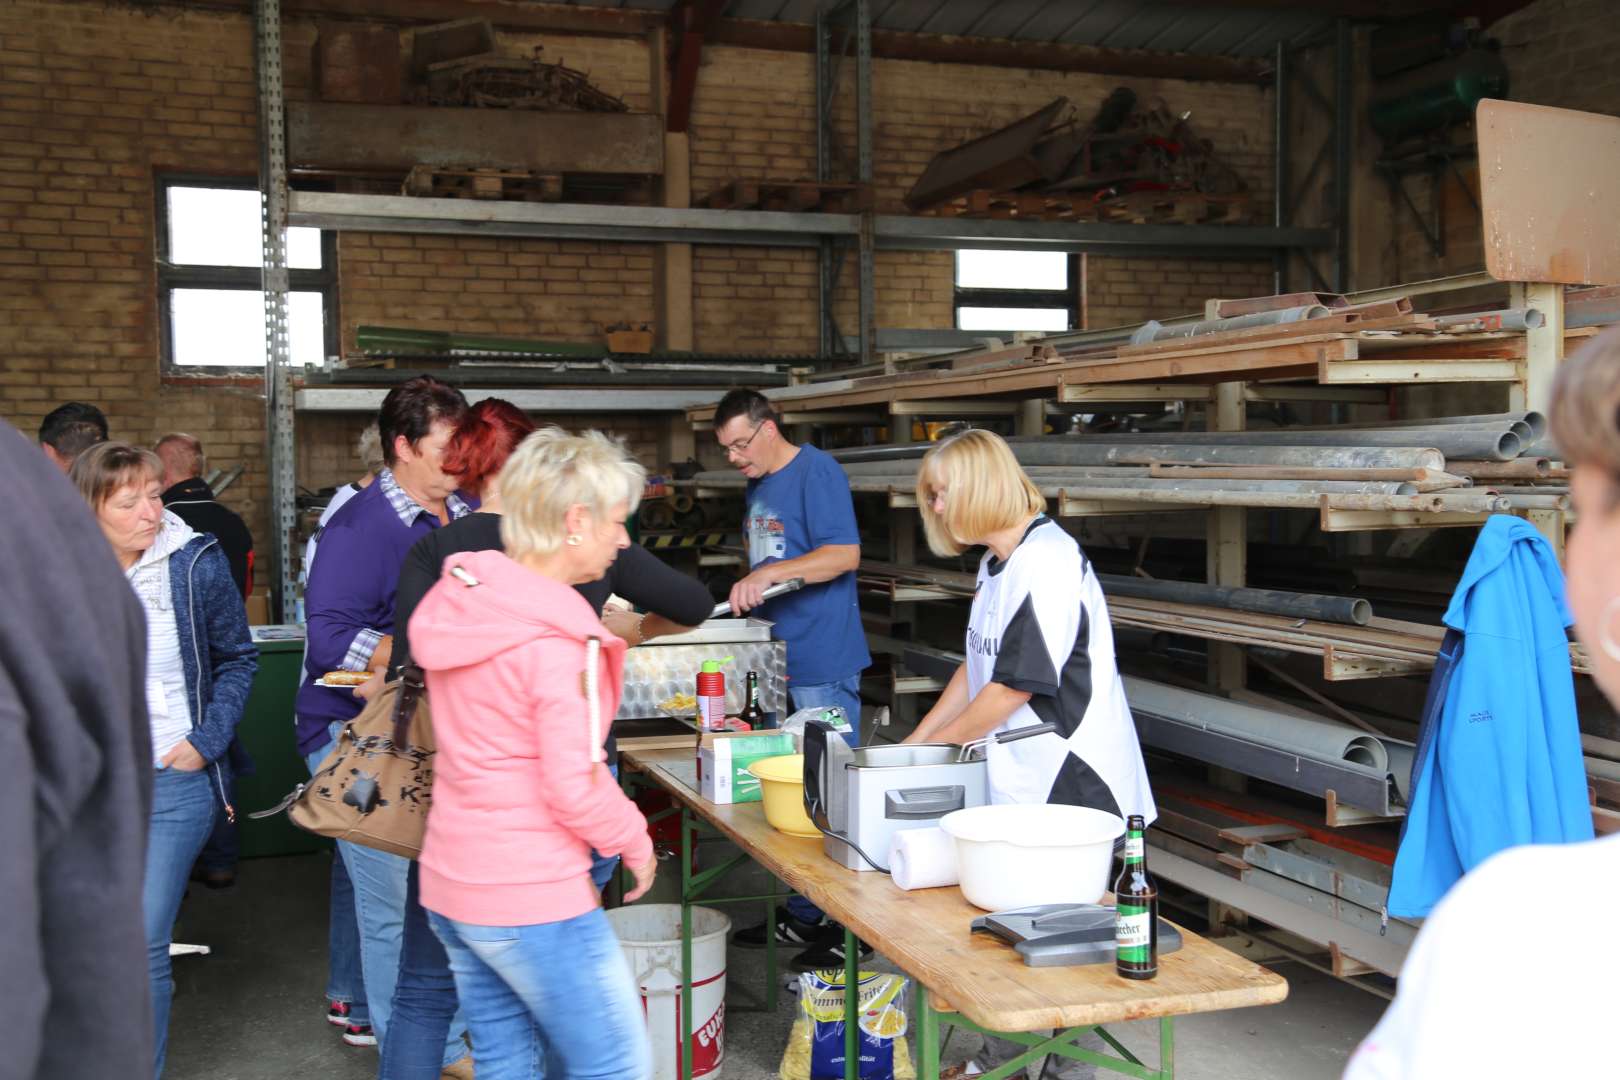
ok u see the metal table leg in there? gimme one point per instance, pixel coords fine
(927, 1036)
(852, 1006)
(770, 951)
(694, 886)
(1060, 1043)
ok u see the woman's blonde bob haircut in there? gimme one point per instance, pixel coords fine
(107, 467)
(984, 491)
(551, 471)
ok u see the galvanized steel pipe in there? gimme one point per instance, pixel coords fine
(1274, 500)
(1152, 330)
(1349, 610)
(1503, 319)
(1488, 445)
(1093, 452)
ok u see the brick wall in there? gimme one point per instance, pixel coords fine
(747, 126)
(93, 100)
(754, 115)
(1124, 291)
(98, 98)
(558, 290)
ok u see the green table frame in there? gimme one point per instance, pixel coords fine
(930, 1039)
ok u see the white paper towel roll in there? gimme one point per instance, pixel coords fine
(922, 859)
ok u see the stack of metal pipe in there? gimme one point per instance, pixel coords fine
(1397, 465)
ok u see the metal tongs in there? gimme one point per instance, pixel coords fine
(1029, 731)
(781, 588)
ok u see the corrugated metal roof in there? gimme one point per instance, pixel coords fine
(1200, 29)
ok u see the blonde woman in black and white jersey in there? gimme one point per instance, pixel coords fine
(1039, 648)
(1039, 644)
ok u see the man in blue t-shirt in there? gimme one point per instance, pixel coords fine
(800, 523)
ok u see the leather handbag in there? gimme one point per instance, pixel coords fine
(376, 786)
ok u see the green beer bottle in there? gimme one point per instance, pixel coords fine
(1136, 909)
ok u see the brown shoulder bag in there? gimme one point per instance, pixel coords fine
(376, 786)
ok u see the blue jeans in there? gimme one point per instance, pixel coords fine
(424, 998)
(379, 909)
(558, 989)
(845, 692)
(183, 808)
(223, 848)
(343, 980)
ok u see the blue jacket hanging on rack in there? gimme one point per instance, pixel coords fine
(1499, 751)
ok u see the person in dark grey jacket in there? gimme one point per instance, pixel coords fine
(200, 663)
(77, 790)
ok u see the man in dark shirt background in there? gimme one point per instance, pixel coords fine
(69, 430)
(192, 500)
(189, 496)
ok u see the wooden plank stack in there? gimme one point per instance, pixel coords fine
(519, 185)
(1156, 207)
(796, 196)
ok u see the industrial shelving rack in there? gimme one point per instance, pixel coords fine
(1028, 393)
(843, 31)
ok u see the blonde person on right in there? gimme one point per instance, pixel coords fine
(1039, 648)
(522, 794)
(1511, 975)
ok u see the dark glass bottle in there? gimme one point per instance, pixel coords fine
(752, 714)
(1136, 909)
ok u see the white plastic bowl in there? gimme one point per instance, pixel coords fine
(1014, 855)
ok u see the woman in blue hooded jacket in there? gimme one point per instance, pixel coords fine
(199, 669)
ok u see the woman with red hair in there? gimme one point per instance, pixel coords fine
(425, 995)
(483, 441)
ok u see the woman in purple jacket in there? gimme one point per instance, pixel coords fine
(349, 606)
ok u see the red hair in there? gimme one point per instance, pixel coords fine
(483, 440)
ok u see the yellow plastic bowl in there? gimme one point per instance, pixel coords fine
(781, 783)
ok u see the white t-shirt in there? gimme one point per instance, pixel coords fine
(1039, 624)
(339, 497)
(1504, 980)
(168, 706)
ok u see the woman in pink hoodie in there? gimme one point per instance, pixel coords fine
(524, 679)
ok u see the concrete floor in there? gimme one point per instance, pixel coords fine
(253, 1009)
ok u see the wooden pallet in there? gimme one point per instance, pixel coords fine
(788, 195)
(432, 181)
(1189, 208)
(1186, 207)
(438, 182)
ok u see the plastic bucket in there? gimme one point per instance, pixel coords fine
(781, 785)
(650, 935)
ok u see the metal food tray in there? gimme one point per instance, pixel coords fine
(656, 671)
(717, 632)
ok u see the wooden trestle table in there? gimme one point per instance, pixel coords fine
(975, 981)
